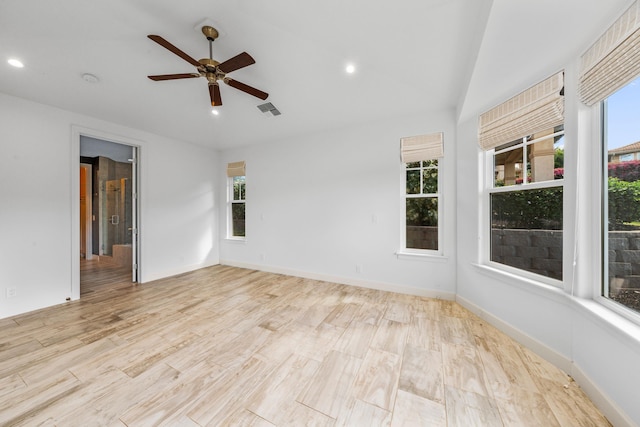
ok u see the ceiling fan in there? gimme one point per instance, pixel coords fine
(211, 69)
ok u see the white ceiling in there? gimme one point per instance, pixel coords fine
(411, 56)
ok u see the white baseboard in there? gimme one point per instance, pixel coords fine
(610, 409)
(369, 284)
(531, 343)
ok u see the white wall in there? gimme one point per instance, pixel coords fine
(180, 208)
(178, 203)
(319, 205)
(600, 349)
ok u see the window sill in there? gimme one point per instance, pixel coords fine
(525, 283)
(619, 309)
(239, 240)
(629, 329)
(417, 256)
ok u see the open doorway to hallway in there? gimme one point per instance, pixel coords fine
(108, 214)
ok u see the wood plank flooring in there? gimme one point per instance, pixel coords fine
(224, 346)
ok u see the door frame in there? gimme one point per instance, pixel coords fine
(76, 133)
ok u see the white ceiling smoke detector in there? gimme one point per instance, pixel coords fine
(90, 78)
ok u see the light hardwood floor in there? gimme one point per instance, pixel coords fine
(228, 346)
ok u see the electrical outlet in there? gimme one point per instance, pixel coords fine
(12, 292)
(358, 268)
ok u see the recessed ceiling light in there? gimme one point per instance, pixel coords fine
(215, 112)
(15, 62)
(350, 69)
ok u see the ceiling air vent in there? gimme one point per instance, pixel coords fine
(269, 108)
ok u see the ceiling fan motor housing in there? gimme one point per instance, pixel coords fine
(209, 69)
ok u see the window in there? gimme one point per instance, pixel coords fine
(238, 188)
(526, 203)
(610, 77)
(421, 190)
(621, 197)
(236, 196)
(524, 143)
(421, 205)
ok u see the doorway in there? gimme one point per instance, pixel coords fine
(108, 213)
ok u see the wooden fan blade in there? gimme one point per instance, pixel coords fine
(162, 42)
(247, 89)
(239, 61)
(173, 76)
(214, 94)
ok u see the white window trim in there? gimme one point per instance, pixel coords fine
(230, 203)
(485, 234)
(412, 253)
(236, 239)
(421, 256)
(601, 219)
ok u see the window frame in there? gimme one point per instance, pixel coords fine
(490, 188)
(232, 201)
(600, 285)
(403, 209)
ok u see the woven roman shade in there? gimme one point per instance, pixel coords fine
(538, 108)
(613, 60)
(236, 169)
(421, 147)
